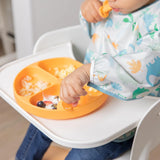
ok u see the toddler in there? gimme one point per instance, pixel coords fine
(123, 60)
(124, 53)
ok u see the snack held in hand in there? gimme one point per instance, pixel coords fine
(105, 9)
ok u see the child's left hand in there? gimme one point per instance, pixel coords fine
(72, 85)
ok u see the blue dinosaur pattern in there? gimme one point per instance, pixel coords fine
(116, 86)
(148, 19)
(153, 70)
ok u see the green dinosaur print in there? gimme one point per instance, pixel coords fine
(152, 35)
(155, 27)
(121, 96)
(139, 91)
(139, 36)
(130, 20)
(155, 30)
(158, 89)
(104, 53)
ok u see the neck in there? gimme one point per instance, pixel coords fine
(150, 1)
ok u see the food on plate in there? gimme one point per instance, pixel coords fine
(49, 102)
(41, 104)
(63, 72)
(29, 87)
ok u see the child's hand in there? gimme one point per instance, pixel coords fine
(72, 85)
(90, 10)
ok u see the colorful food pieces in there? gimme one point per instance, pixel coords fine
(41, 104)
(49, 102)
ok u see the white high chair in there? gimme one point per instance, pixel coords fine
(113, 119)
(147, 135)
(75, 35)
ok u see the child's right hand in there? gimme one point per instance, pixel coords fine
(72, 85)
(90, 10)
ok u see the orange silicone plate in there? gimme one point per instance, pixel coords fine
(40, 80)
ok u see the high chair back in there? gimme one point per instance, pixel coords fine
(147, 137)
(73, 34)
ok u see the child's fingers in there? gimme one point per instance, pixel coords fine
(75, 104)
(68, 99)
(96, 7)
(90, 10)
(97, 4)
(80, 91)
(95, 16)
(62, 89)
(90, 17)
(73, 94)
(67, 95)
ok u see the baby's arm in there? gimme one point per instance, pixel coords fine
(89, 15)
(72, 85)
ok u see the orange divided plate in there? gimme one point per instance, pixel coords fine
(40, 80)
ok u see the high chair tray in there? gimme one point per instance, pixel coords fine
(114, 118)
(37, 89)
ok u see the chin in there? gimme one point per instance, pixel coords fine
(123, 12)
